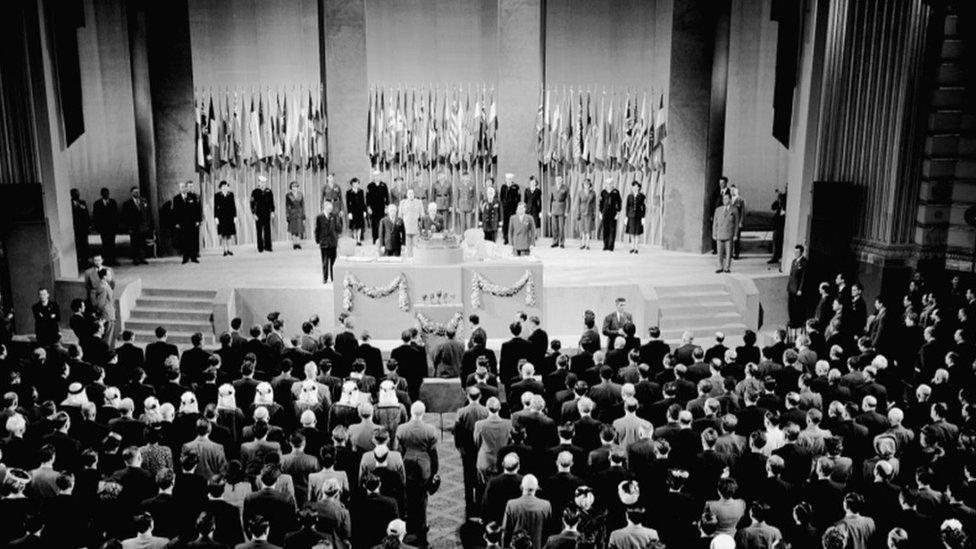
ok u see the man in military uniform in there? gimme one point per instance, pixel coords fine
(81, 221)
(725, 223)
(490, 212)
(263, 208)
(420, 187)
(610, 204)
(466, 201)
(443, 197)
(558, 210)
(135, 216)
(510, 198)
(186, 218)
(398, 191)
(331, 192)
(377, 198)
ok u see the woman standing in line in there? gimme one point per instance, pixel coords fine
(636, 209)
(356, 206)
(586, 213)
(295, 213)
(225, 212)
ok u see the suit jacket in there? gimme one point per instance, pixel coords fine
(559, 200)
(467, 416)
(372, 510)
(156, 353)
(186, 211)
(528, 513)
(328, 229)
(490, 434)
(725, 222)
(511, 351)
(105, 215)
(798, 274)
(274, 506)
(391, 236)
(211, 457)
(612, 323)
(417, 441)
(521, 234)
(433, 225)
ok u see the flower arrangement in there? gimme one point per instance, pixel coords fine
(440, 297)
(481, 284)
(352, 284)
(428, 326)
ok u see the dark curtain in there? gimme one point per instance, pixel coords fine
(18, 163)
(789, 15)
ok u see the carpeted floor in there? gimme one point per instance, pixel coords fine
(445, 509)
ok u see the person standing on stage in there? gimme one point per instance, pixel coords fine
(779, 225)
(740, 206)
(333, 193)
(533, 200)
(510, 197)
(586, 213)
(81, 222)
(328, 229)
(559, 202)
(609, 208)
(135, 216)
(47, 318)
(225, 213)
(490, 214)
(636, 209)
(443, 197)
(411, 209)
(295, 214)
(105, 218)
(521, 230)
(794, 290)
(187, 216)
(466, 201)
(263, 210)
(420, 189)
(398, 191)
(377, 198)
(724, 225)
(392, 233)
(433, 222)
(356, 206)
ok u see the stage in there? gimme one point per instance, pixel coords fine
(675, 290)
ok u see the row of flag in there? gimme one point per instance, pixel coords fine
(283, 128)
(451, 125)
(578, 128)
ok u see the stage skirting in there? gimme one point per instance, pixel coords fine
(448, 290)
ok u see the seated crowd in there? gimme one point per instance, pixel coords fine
(858, 433)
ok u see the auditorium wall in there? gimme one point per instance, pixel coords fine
(105, 155)
(254, 43)
(754, 161)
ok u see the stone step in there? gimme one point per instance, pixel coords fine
(938, 167)
(703, 313)
(732, 328)
(174, 303)
(664, 291)
(950, 73)
(966, 168)
(951, 26)
(718, 306)
(692, 297)
(949, 97)
(945, 144)
(170, 325)
(180, 339)
(166, 315)
(179, 293)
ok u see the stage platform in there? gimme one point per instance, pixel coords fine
(675, 290)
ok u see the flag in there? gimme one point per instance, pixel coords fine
(565, 132)
(578, 129)
(661, 130)
(431, 120)
(540, 128)
(291, 130)
(552, 152)
(600, 132)
(255, 148)
(492, 127)
(610, 128)
(321, 132)
(587, 132)
(201, 158)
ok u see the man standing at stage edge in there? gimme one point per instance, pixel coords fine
(466, 202)
(263, 208)
(328, 229)
(510, 197)
(443, 198)
(558, 210)
(725, 223)
(135, 216)
(610, 204)
(377, 198)
(187, 216)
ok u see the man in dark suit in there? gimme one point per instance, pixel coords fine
(156, 354)
(610, 204)
(613, 323)
(328, 229)
(512, 351)
(795, 285)
(882, 330)
(187, 215)
(653, 352)
(391, 233)
(227, 516)
(371, 355)
(411, 362)
(377, 198)
(105, 219)
(467, 416)
(137, 484)
(81, 222)
(263, 210)
(271, 503)
(129, 356)
(135, 217)
(372, 509)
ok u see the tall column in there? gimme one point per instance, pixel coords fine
(696, 120)
(142, 106)
(344, 70)
(171, 91)
(520, 76)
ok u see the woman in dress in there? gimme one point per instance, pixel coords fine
(356, 205)
(636, 209)
(225, 212)
(586, 213)
(295, 212)
(411, 209)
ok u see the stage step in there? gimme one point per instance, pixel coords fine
(704, 333)
(671, 311)
(701, 309)
(182, 312)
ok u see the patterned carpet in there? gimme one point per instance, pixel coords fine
(445, 509)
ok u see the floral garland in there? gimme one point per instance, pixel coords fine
(399, 284)
(428, 326)
(481, 284)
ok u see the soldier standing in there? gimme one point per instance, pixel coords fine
(558, 210)
(443, 197)
(466, 201)
(263, 208)
(609, 208)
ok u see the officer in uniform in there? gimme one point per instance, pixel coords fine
(558, 210)
(443, 197)
(510, 197)
(263, 208)
(398, 191)
(421, 190)
(187, 216)
(466, 201)
(490, 213)
(610, 204)
(377, 198)
(331, 192)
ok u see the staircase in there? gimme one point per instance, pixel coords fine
(181, 312)
(701, 309)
